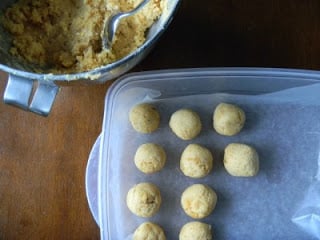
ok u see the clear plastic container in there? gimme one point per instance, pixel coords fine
(283, 111)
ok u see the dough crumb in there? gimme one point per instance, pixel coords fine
(64, 36)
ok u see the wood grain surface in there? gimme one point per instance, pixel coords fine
(43, 160)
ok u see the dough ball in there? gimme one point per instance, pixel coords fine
(150, 158)
(195, 231)
(185, 123)
(144, 118)
(241, 160)
(196, 161)
(149, 230)
(144, 199)
(228, 119)
(198, 201)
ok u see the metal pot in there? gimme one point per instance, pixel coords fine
(36, 92)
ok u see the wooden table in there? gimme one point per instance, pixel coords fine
(43, 160)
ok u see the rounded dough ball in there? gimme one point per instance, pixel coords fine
(196, 161)
(185, 123)
(241, 160)
(149, 230)
(195, 231)
(144, 199)
(198, 201)
(228, 119)
(144, 118)
(150, 158)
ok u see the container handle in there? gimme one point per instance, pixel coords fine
(92, 179)
(30, 95)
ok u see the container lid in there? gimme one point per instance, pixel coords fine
(282, 108)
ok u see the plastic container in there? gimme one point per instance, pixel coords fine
(283, 111)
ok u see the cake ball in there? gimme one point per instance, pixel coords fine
(149, 230)
(228, 119)
(198, 201)
(144, 199)
(185, 124)
(241, 160)
(195, 231)
(150, 158)
(196, 161)
(144, 118)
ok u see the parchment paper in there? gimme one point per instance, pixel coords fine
(281, 202)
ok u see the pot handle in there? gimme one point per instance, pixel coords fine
(30, 95)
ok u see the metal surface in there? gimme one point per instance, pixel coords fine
(18, 69)
(110, 27)
(18, 91)
(43, 98)
(33, 96)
